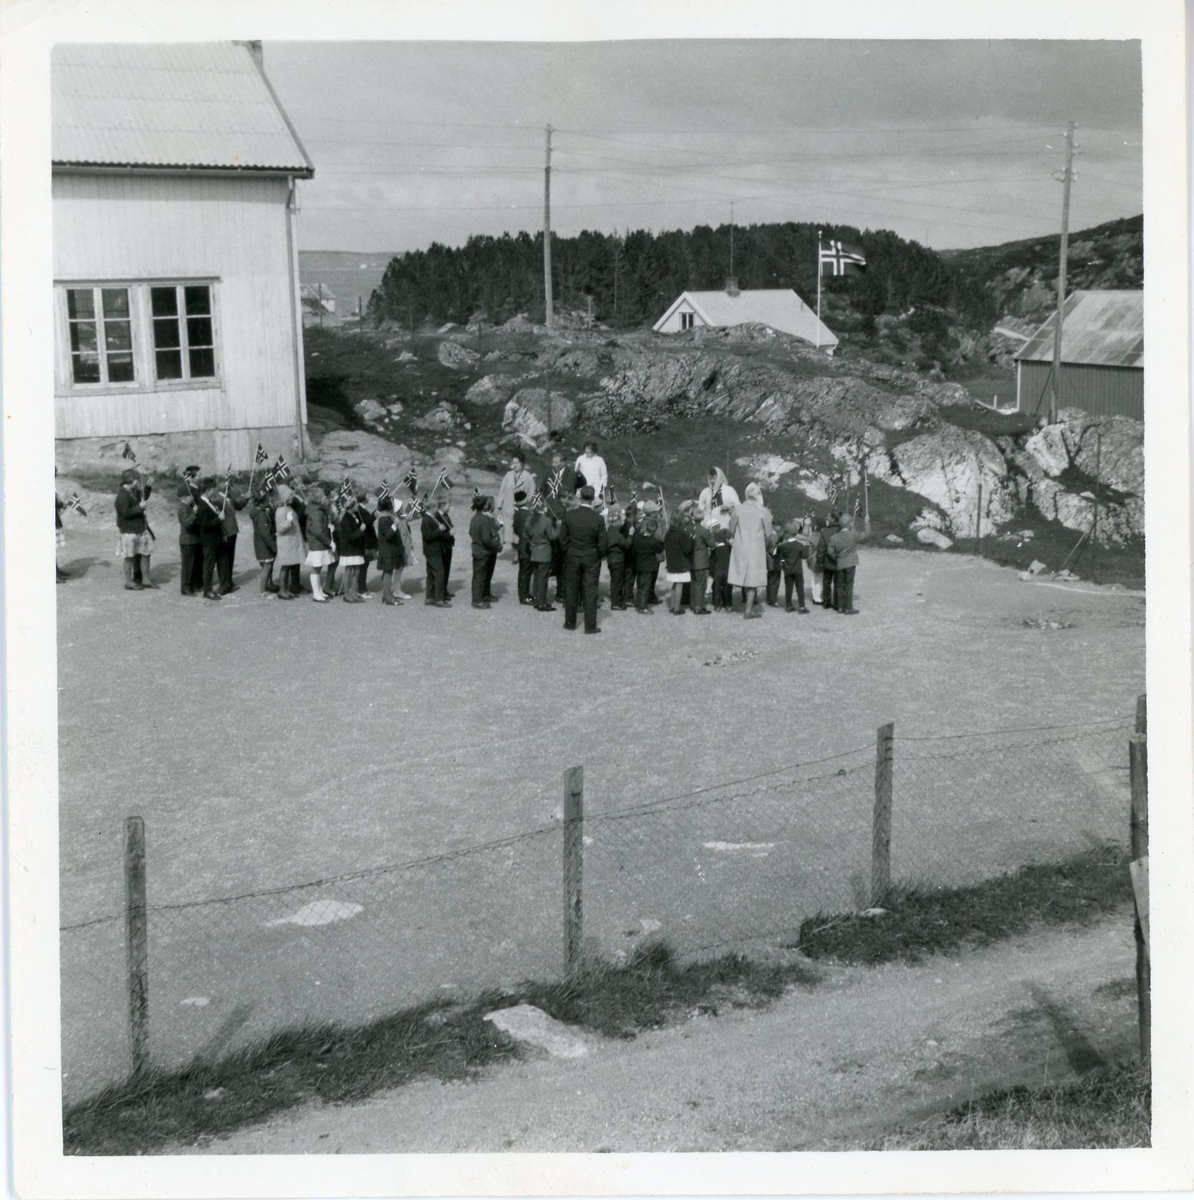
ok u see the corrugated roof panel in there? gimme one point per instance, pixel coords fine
(1099, 328)
(200, 104)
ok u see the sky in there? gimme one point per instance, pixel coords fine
(950, 143)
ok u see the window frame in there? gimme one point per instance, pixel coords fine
(182, 320)
(687, 320)
(145, 377)
(100, 320)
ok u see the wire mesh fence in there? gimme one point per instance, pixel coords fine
(719, 867)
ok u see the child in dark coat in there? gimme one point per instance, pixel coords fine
(391, 553)
(792, 552)
(618, 535)
(265, 540)
(677, 549)
(719, 568)
(518, 527)
(647, 545)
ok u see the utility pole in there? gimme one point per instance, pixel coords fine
(547, 232)
(731, 239)
(1067, 177)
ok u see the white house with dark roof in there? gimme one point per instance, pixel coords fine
(779, 308)
(177, 305)
(1102, 357)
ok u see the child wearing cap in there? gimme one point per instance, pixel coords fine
(647, 547)
(522, 545)
(719, 568)
(792, 551)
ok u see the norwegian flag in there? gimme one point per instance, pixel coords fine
(282, 470)
(838, 258)
(477, 492)
(633, 494)
(344, 493)
(418, 508)
(260, 456)
(384, 492)
(75, 503)
(832, 493)
(443, 480)
(555, 483)
(127, 452)
(268, 482)
(412, 481)
(538, 504)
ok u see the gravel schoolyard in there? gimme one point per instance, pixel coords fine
(270, 744)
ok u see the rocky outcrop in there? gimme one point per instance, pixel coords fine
(533, 416)
(492, 389)
(946, 467)
(362, 457)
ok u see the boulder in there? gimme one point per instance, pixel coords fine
(894, 538)
(947, 465)
(369, 411)
(362, 457)
(1120, 455)
(1036, 567)
(1117, 522)
(949, 394)
(453, 354)
(932, 537)
(766, 469)
(527, 415)
(443, 416)
(396, 409)
(491, 389)
(533, 1027)
(1048, 449)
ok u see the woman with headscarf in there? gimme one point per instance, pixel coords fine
(717, 502)
(750, 527)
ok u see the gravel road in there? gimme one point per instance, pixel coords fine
(868, 1049)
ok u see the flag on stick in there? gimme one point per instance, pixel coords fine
(832, 493)
(383, 492)
(476, 491)
(127, 452)
(260, 456)
(443, 478)
(74, 503)
(840, 258)
(344, 493)
(412, 481)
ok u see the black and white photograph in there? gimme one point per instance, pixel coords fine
(821, 334)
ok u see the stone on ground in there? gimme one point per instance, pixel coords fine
(533, 1027)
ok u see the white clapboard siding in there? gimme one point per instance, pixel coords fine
(142, 228)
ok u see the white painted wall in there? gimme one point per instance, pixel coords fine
(139, 228)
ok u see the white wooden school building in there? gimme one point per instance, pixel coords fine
(177, 305)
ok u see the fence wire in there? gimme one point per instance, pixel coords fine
(706, 870)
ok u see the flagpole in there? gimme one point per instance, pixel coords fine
(818, 289)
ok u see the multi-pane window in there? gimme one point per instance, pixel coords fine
(183, 335)
(686, 320)
(101, 335)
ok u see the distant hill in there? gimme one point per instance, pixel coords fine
(1021, 277)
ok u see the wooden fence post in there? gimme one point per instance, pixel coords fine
(1138, 763)
(574, 788)
(881, 822)
(978, 521)
(137, 941)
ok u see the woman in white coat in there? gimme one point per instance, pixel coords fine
(750, 527)
(717, 501)
(592, 466)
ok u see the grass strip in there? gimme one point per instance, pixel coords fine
(1108, 1108)
(439, 1039)
(932, 920)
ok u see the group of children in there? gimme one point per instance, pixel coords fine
(337, 535)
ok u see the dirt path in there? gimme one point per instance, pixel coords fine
(826, 1069)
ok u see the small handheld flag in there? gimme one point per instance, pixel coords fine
(383, 492)
(74, 503)
(538, 504)
(839, 258)
(412, 481)
(345, 492)
(832, 494)
(418, 508)
(267, 483)
(228, 473)
(476, 492)
(443, 479)
(260, 456)
(127, 452)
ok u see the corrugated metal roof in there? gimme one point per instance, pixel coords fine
(187, 104)
(1099, 329)
(780, 308)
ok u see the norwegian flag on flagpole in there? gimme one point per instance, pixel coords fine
(260, 456)
(840, 258)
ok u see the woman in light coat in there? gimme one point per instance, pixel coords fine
(291, 547)
(717, 501)
(750, 527)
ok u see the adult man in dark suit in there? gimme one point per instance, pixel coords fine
(585, 542)
(210, 511)
(190, 549)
